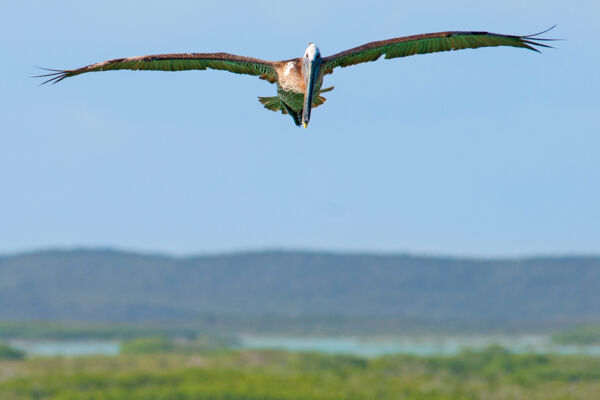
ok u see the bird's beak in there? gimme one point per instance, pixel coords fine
(310, 71)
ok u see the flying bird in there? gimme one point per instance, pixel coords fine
(299, 80)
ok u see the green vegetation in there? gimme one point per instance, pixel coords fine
(82, 330)
(583, 335)
(273, 375)
(150, 345)
(158, 344)
(8, 353)
(226, 325)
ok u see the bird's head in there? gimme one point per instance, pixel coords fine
(310, 70)
(312, 52)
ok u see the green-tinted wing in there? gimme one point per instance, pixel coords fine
(177, 62)
(428, 43)
(272, 103)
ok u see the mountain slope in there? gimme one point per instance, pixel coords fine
(99, 285)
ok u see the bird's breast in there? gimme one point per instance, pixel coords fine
(289, 74)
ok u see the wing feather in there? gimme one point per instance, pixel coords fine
(176, 62)
(429, 43)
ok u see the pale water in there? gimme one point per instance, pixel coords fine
(67, 348)
(423, 346)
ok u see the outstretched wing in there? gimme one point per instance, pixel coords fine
(176, 62)
(429, 43)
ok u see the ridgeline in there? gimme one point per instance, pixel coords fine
(258, 290)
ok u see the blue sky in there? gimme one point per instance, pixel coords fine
(480, 152)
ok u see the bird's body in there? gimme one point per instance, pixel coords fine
(289, 76)
(292, 88)
(299, 81)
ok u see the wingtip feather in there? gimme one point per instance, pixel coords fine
(531, 41)
(541, 33)
(56, 75)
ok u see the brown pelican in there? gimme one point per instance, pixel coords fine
(299, 80)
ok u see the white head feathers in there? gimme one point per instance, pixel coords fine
(312, 52)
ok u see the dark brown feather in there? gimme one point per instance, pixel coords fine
(428, 43)
(177, 62)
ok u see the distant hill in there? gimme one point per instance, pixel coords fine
(113, 286)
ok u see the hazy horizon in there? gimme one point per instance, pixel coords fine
(275, 249)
